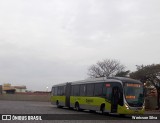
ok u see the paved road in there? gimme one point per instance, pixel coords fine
(28, 107)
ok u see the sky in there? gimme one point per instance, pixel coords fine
(47, 42)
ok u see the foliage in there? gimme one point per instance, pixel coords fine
(151, 75)
(105, 68)
(123, 73)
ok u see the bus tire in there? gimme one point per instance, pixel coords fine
(71, 108)
(102, 108)
(92, 111)
(57, 104)
(77, 106)
(122, 115)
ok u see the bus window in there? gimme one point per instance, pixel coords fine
(72, 91)
(55, 91)
(134, 94)
(90, 89)
(107, 91)
(52, 91)
(59, 91)
(62, 90)
(76, 90)
(82, 90)
(98, 89)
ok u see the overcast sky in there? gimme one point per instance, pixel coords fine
(46, 42)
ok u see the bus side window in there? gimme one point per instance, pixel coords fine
(52, 91)
(98, 89)
(72, 90)
(76, 90)
(59, 91)
(64, 90)
(82, 90)
(55, 91)
(107, 91)
(90, 89)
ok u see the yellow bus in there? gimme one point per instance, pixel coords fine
(112, 95)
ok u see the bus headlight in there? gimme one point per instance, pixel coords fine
(126, 106)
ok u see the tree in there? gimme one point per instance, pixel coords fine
(150, 74)
(123, 73)
(105, 68)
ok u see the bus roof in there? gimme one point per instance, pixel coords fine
(125, 79)
(102, 79)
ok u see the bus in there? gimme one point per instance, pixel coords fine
(117, 95)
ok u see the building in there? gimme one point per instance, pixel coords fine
(8, 89)
(19, 89)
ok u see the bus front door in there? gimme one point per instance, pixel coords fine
(115, 99)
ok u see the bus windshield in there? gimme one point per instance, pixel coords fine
(134, 94)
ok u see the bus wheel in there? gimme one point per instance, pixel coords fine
(57, 104)
(92, 111)
(122, 115)
(71, 108)
(77, 106)
(102, 109)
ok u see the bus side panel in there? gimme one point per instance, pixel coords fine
(90, 103)
(52, 100)
(60, 99)
(72, 101)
